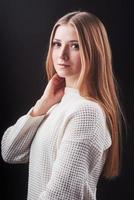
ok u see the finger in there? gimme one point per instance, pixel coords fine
(56, 76)
(58, 80)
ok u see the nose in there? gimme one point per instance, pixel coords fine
(64, 54)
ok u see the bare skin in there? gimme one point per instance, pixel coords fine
(67, 64)
(53, 93)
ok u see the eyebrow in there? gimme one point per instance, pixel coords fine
(69, 40)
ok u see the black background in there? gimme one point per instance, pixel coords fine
(25, 27)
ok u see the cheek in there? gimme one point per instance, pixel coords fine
(78, 61)
(76, 58)
(78, 64)
(53, 56)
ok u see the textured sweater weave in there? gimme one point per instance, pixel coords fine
(66, 148)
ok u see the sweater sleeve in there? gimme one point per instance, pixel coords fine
(81, 148)
(16, 141)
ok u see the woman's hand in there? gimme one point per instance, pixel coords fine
(53, 93)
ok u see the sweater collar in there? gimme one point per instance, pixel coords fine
(70, 91)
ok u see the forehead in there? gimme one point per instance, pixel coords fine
(66, 32)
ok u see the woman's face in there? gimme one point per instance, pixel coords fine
(65, 54)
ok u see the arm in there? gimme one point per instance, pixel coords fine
(17, 138)
(76, 156)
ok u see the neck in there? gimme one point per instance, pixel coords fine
(71, 82)
(84, 89)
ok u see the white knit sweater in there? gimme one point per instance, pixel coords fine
(66, 148)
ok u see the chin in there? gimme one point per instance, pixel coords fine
(62, 75)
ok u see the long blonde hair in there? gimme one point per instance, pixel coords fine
(96, 79)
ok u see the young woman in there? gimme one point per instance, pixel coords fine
(71, 135)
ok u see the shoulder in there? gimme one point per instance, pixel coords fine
(87, 122)
(87, 116)
(89, 110)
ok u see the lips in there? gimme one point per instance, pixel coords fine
(63, 66)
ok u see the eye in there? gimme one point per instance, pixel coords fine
(75, 46)
(56, 44)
